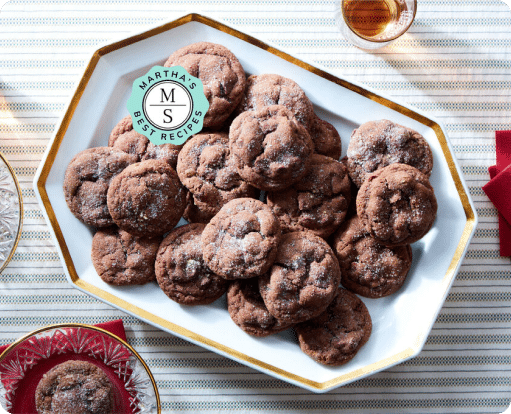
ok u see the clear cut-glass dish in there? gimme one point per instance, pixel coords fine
(11, 212)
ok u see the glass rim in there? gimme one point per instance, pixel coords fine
(372, 40)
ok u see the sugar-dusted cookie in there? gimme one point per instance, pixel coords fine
(247, 309)
(221, 74)
(124, 138)
(86, 183)
(369, 268)
(376, 144)
(326, 139)
(336, 336)
(397, 205)
(77, 387)
(271, 89)
(180, 269)
(241, 240)
(194, 213)
(270, 148)
(318, 202)
(147, 198)
(205, 167)
(303, 278)
(122, 259)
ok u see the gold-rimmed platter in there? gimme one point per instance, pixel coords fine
(401, 322)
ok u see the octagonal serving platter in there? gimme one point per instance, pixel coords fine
(401, 322)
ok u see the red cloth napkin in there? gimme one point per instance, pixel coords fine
(504, 226)
(498, 189)
(116, 327)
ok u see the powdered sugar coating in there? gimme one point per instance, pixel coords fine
(271, 89)
(147, 199)
(303, 278)
(86, 183)
(397, 205)
(221, 74)
(270, 148)
(77, 387)
(377, 144)
(318, 202)
(335, 336)
(124, 138)
(180, 269)
(122, 259)
(205, 167)
(369, 268)
(241, 240)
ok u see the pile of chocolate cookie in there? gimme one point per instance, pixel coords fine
(275, 219)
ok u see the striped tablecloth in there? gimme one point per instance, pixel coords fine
(454, 64)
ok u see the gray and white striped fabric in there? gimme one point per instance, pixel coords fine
(454, 64)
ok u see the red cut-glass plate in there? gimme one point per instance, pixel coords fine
(23, 364)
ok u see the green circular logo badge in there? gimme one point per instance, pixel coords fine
(167, 105)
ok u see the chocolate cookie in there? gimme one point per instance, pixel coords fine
(241, 240)
(270, 148)
(221, 73)
(325, 138)
(248, 311)
(206, 169)
(147, 198)
(334, 337)
(180, 269)
(122, 259)
(318, 202)
(77, 387)
(368, 267)
(194, 213)
(352, 209)
(303, 279)
(86, 182)
(377, 144)
(397, 205)
(124, 138)
(271, 89)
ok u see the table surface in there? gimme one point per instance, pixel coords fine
(454, 64)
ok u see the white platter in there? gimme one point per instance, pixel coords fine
(401, 322)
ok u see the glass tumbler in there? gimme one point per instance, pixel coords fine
(372, 24)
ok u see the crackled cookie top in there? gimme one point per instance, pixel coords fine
(270, 148)
(122, 259)
(221, 74)
(77, 387)
(241, 240)
(205, 167)
(377, 144)
(124, 138)
(303, 278)
(247, 309)
(318, 202)
(146, 199)
(369, 268)
(271, 89)
(180, 269)
(335, 337)
(397, 205)
(325, 138)
(86, 182)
